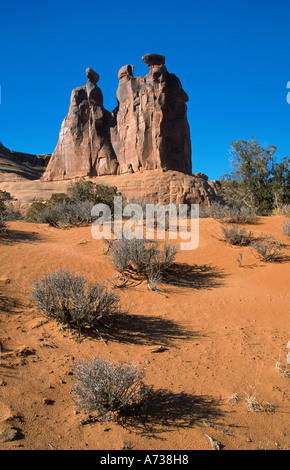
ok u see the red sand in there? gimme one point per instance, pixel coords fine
(224, 327)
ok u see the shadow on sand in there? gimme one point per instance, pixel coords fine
(7, 304)
(165, 411)
(146, 330)
(10, 236)
(194, 277)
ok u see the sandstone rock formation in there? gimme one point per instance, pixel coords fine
(151, 124)
(147, 130)
(156, 186)
(16, 166)
(84, 147)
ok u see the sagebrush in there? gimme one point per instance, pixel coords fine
(102, 386)
(226, 213)
(73, 208)
(142, 258)
(236, 235)
(70, 300)
(285, 228)
(268, 249)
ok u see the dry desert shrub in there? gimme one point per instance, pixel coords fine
(102, 386)
(61, 213)
(142, 259)
(236, 235)
(285, 210)
(284, 370)
(229, 214)
(285, 228)
(258, 406)
(267, 249)
(69, 300)
(73, 208)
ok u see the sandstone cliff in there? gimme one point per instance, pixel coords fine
(156, 186)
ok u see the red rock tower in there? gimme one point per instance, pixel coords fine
(147, 130)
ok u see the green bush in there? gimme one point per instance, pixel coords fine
(7, 211)
(82, 190)
(257, 180)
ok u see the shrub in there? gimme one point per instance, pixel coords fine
(242, 215)
(82, 190)
(285, 228)
(73, 208)
(227, 213)
(7, 211)
(5, 196)
(66, 298)
(236, 235)
(10, 214)
(32, 214)
(2, 222)
(214, 211)
(142, 258)
(38, 211)
(102, 386)
(62, 213)
(268, 249)
(285, 210)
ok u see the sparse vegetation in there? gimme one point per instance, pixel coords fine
(285, 210)
(141, 258)
(285, 228)
(226, 213)
(7, 211)
(103, 387)
(236, 235)
(267, 249)
(256, 406)
(61, 213)
(284, 370)
(234, 399)
(69, 300)
(73, 208)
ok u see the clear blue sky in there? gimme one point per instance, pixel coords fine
(232, 57)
